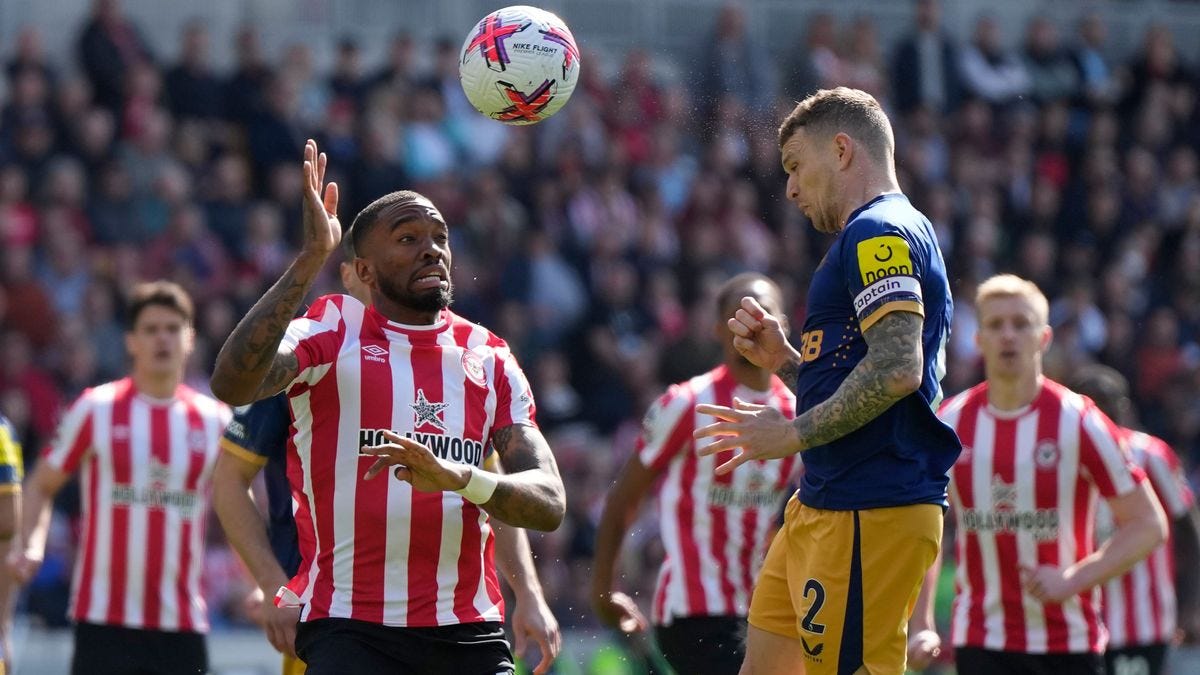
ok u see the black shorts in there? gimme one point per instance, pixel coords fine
(117, 650)
(338, 646)
(989, 662)
(1136, 660)
(704, 644)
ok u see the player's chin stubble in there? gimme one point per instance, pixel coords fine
(429, 301)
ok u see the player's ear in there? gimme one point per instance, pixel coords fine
(1047, 337)
(843, 147)
(364, 271)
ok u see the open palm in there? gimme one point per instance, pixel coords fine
(322, 230)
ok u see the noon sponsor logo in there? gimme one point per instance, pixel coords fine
(885, 256)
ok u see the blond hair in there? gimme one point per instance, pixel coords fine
(1013, 286)
(843, 110)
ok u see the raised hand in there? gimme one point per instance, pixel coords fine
(759, 336)
(322, 230)
(760, 431)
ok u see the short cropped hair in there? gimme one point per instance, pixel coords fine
(161, 294)
(851, 111)
(1010, 286)
(367, 218)
(734, 288)
(1104, 385)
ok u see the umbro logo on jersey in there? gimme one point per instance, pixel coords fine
(375, 353)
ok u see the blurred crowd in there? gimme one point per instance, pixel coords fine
(592, 242)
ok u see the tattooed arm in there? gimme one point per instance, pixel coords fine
(891, 370)
(251, 366)
(789, 373)
(530, 493)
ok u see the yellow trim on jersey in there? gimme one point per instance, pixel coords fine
(242, 453)
(889, 307)
(10, 489)
(10, 452)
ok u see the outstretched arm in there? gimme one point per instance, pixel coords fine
(251, 365)
(891, 370)
(620, 510)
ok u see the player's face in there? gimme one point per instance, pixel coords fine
(159, 342)
(809, 183)
(1012, 337)
(406, 258)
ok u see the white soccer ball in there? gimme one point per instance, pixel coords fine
(519, 65)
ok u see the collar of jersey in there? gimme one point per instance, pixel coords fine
(1016, 412)
(442, 323)
(875, 200)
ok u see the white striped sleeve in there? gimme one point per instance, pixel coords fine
(662, 436)
(1169, 482)
(514, 402)
(1107, 461)
(73, 438)
(315, 339)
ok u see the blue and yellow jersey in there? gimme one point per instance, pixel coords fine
(12, 465)
(259, 434)
(885, 260)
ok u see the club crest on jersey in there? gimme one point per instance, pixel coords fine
(473, 367)
(196, 441)
(427, 412)
(1045, 454)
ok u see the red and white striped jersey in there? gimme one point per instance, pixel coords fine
(1024, 493)
(146, 475)
(1139, 607)
(377, 550)
(715, 529)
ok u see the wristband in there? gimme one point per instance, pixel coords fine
(480, 487)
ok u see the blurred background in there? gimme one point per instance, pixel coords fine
(144, 139)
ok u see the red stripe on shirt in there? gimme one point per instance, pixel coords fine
(426, 533)
(122, 475)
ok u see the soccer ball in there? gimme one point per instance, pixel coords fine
(519, 65)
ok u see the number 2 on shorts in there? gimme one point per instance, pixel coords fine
(818, 592)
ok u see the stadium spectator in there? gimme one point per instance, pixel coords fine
(925, 66)
(1052, 75)
(991, 70)
(733, 63)
(1034, 452)
(147, 444)
(192, 89)
(109, 46)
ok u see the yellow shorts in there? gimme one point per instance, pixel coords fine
(293, 666)
(844, 583)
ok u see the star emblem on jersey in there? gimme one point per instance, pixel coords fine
(427, 412)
